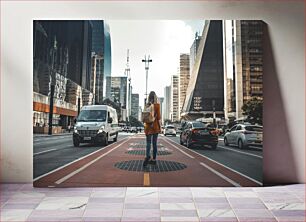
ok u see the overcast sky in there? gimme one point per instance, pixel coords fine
(163, 40)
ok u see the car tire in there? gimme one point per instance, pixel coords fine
(181, 142)
(188, 145)
(225, 141)
(76, 143)
(240, 144)
(105, 142)
(116, 138)
(214, 146)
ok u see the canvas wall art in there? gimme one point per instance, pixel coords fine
(140, 103)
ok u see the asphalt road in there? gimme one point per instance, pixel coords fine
(52, 152)
(247, 161)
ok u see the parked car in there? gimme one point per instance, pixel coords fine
(133, 129)
(179, 130)
(243, 135)
(96, 124)
(170, 130)
(198, 133)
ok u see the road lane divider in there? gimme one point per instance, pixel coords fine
(192, 157)
(220, 164)
(238, 151)
(42, 152)
(146, 179)
(86, 165)
(81, 158)
(220, 175)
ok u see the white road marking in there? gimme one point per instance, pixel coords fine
(46, 151)
(181, 151)
(51, 139)
(85, 166)
(238, 151)
(57, 169)
(253, 147)
(241, 174)
(220, 175)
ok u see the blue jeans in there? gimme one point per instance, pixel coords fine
(151, 137)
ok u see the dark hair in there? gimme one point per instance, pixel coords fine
(152, 98)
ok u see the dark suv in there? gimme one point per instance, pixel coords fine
(197, 133)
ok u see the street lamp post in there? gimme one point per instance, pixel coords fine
(147, 63)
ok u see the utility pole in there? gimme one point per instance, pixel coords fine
(147, 63)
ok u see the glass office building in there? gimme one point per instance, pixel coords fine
(244, 64)
(205, 92)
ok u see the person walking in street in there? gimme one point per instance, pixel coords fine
(152, 126)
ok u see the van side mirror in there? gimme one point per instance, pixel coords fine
(75, 121)
(110, 120)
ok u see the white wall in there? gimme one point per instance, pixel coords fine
(285, 22)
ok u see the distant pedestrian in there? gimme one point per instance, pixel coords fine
(152, 127)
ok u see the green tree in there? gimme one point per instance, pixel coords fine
(116, 106)
(253, 110)
(134, 122)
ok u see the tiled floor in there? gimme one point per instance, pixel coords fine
(22, 202)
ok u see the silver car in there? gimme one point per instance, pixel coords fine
(169, 130)
(243, 135)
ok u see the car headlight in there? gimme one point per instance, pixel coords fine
(101, 129)
(75, 130)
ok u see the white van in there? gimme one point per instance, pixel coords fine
(96, 124)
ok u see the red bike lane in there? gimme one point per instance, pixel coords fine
(120, 164)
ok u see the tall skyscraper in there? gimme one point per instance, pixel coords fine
(62, 57)
(243, 68)
(107, 54)
(167, 103)
(184, 76)
(205, 92)
(135, 105)
(116, 90)
(162, 100)
(101, 46)
(175, 112)
(193, 51)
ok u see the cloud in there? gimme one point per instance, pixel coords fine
(163, 40)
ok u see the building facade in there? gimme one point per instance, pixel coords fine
(205, 92)
(161, 101)
(167, 103)
(61, 59)
(184, 75)
(175, 112)
(243, 41)
(117, 90)
(193, 51)
(107, 55)
(135, 105)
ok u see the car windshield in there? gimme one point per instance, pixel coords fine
(92, 116)
(198, 125)
(254, 128)
(169, 127)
